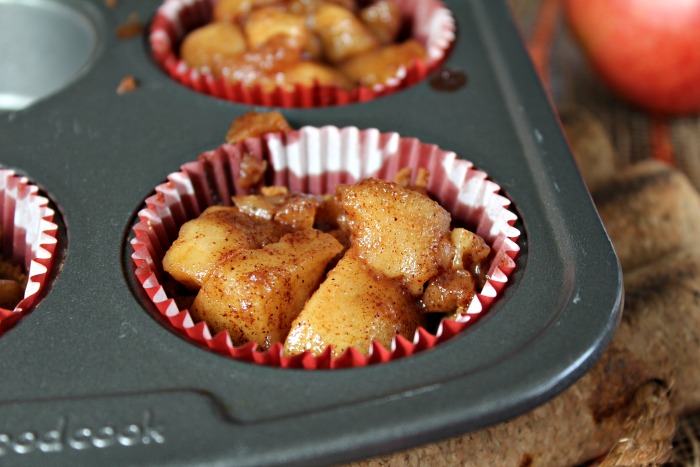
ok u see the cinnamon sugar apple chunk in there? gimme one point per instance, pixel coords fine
(342, 34)
(353, 306)
(297, 211)
(264, 23)
(232, 11)
(255, 294)
(262, 65)
(378, 66)
(216, 233)
(383, 18)
(254, 125)
(452, 290)
(210, 45)
(471, 251)
(400, 232)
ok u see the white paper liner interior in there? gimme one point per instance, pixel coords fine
(315, 160)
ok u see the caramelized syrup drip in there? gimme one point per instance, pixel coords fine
(448, 80)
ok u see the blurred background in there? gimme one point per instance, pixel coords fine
(635, 133)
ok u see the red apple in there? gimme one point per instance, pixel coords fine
(648, 51)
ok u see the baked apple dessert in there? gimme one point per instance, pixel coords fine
(289, 43)
(371, 261)
(323, 247)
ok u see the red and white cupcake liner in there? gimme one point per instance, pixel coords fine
(315, 160)
(29, 238)
(433, 26)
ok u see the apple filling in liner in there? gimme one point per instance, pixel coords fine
(316, 160)
(431, 23)
(28, 238)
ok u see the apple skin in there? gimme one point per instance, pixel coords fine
(647, 51)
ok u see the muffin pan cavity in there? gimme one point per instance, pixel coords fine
(44, 46)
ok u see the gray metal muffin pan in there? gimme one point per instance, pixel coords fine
(92, 376)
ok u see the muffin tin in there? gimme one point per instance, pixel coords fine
(93, 374)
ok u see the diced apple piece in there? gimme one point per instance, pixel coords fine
(471, 251)
(309, 7)
(264, 23)
(297, 211)
(256, 294)
(216, 233)
(262, 207)
(383, 18)
(449, 291)
(419, 184)
(303, 7)
(233, 11)
(353, 307)
(206, 48)
(342, 34)
(379, 66)
(261, 66)
(255, 124)
(400, 232)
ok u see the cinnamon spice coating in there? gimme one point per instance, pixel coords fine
(289, 43)
(344, 270)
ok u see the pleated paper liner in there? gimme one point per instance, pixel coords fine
(315, 160)
(432, 25)
(28, 238)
